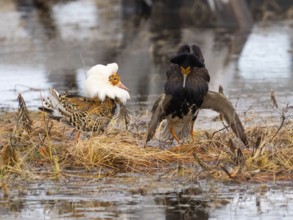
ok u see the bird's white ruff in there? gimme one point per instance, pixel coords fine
(98, 84)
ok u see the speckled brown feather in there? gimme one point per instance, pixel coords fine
(86, 114)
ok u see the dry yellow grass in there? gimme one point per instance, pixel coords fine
(50, 149)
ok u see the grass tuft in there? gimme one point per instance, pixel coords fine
(50, 150)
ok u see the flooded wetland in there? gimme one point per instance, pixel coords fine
(46, 174)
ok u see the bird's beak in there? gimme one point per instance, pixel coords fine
(120, 85)
(185, 72)
(184, 80)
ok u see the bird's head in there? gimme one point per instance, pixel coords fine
(104, 81)
(186, 61)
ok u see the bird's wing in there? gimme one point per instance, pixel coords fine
(62, 104)
(88, 114)
(219, 103)
(73, 103)
(158, 114)
(81, 112)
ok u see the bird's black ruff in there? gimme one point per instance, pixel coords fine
(191, 97)
(185, 98)
(186, 60)
(180, 102)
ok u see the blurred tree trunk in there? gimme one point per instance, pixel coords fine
(242, 14)
(233, 13)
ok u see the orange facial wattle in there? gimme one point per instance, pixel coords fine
(114, 79)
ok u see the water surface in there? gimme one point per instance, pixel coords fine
(147, 198)
(39, 53)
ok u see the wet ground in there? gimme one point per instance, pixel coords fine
(42, 48)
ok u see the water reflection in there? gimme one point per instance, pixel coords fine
(62, 39)
(64, 80)
(185, 205)
(96, 200)
(36, 13)
(141, 39)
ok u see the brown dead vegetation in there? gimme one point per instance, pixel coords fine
(34, 146)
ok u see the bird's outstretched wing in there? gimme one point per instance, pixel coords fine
(158, 114)
(218, 102)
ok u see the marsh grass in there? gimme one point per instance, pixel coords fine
(49, 150)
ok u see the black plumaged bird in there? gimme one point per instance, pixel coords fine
(186, 92)
(186, 86)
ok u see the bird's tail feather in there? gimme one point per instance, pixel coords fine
(53, 105)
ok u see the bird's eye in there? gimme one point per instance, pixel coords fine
(114, 79)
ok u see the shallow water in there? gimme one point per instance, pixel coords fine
(147, 198)
(54, 48)
(38, 53)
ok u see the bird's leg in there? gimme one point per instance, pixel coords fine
(191, 134)
(174, 134)
(191, 129)
(77, 137)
